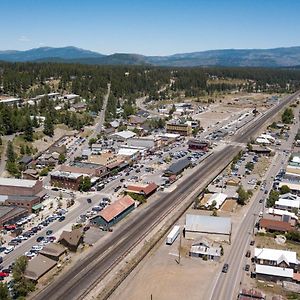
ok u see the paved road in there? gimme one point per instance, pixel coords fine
(75, 283)
(227, 284)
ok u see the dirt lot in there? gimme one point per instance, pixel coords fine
(163, 278)
(229, 206)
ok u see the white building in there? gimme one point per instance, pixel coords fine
(123, 135)
(286, 204)
(217, 198)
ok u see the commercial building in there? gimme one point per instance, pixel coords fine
(286, 204)
(281, 215)
(274, 264)
(179, 128)
(197, 145)
(27, 202)
(142, 189)
(11, 214)
(148, 142)
(123, 136)
(39, 266)
(219, 228)
(66, 180)
(87, 169)
(71, 239)
(54, 251)
(177, 167)
(274, 225)
(114, 212)
(20, 187)
(216, 200)
(136, 120)
(128, 153)
(104, 158)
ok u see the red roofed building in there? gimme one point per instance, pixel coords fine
(142, 189)
(114, 212)
(274, 225)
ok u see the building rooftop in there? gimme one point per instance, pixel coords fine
(288, 203)
(38, 266)
(69, 175)
(53, 249)
(208, 224)
(276, 255)
(116, 208)
(127, 152)
(219, 199)
(127, 134)
(275, 225)
(10, 211)
(178, 166)
(281, 212)
(274, 271)
(71, 237)
(142, 188)
(26, 183)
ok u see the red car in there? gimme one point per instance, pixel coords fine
(2, 274)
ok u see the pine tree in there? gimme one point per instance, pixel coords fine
(28, 132)
(48, 127)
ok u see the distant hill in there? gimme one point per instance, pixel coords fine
(277, 57)
(64, 53)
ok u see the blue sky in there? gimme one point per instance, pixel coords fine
(150, 27)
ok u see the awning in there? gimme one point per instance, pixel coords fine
(38, 206)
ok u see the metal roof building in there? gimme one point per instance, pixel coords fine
(202, 224)
(178, 167)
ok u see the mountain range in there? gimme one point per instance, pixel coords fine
(276, 57)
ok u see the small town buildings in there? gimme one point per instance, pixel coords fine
(31, 203)
(261, 150)
(178, 128)
(142, 189)
(168, 138)
(216, 200)
(281, 215)
(245, 294)
(274, 225)
(148, 142)
(136, 120)
(87, 169)
(113, 213)
(218, 228)
(70, 97)
(104, 158)
(20, 187)
(11, 214)
(274, 264)
(233, 181)
(128, 153)
(39, 266)
(66, 180)
(177, 167)
(287, 204)
(30, 174)
(71, 239)
(122, 136)
(54, 251)
(198, 145)
(205, 249)
(78, 107)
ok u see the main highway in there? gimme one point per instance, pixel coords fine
(81, 278)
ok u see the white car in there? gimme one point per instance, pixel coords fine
(30, 254)
(37, 248)
(23, 238)
(9, 249)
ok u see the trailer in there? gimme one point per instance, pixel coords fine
(173, 235)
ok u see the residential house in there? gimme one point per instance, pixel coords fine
(205, 249)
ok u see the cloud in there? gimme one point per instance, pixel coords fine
(24, 38)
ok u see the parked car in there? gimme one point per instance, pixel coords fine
(248, 253)
(89, 200)
(252, 243)
(39, 239)
(9, 249)
(49, 232)
(247, 268)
